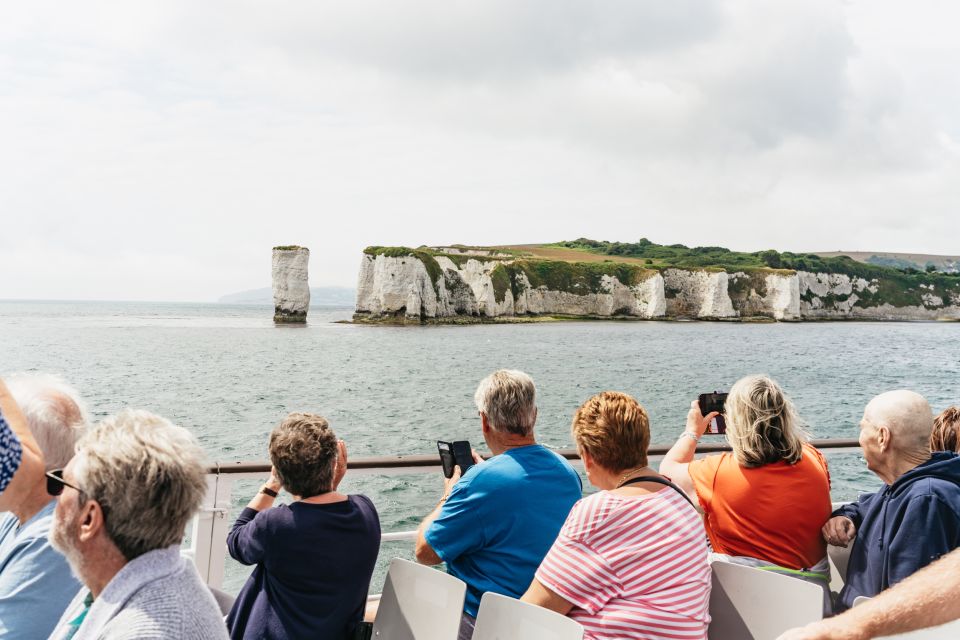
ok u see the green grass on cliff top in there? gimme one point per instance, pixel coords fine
(678, 255)
(559, 266)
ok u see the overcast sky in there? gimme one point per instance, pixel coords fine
(158, 150)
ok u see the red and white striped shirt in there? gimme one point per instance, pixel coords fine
(633, 567)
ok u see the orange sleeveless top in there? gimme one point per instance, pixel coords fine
(773, 513)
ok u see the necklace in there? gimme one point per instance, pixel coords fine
(624, 477)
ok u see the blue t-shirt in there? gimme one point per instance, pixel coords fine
(36, 584)
(501, 519)
(10, 453)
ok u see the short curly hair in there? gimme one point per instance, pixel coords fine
(614, 429)
(945, 428)
(304, 451)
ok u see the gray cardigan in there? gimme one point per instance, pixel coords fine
(156, 596)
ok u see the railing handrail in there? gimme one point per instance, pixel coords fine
(210, 527)
(419, 461)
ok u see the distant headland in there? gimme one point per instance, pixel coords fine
(643, 280)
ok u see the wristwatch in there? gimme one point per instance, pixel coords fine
(691, 435)
(268, 491)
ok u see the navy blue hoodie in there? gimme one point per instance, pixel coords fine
(903, 527)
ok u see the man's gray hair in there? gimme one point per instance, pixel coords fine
(148, 476)
(55, 413)
(509, 400)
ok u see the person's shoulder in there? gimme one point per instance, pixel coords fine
(162, 621)
(944, 488)
(589, 514)
(366, 508)
(361, 501)
(711, 463)
(277, 516)
(31, 540)
(178, 605)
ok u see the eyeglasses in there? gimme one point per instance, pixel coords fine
(56, 483)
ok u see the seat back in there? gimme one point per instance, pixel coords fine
(839, 558)
(503, 618)
(224, 600)
(753, 604)
(949, 631)
(419, 603)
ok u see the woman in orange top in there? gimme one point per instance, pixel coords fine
(765, 502)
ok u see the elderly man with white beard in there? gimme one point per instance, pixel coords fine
(125, 501)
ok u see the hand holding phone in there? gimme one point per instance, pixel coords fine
(453, 454)
(710, 403)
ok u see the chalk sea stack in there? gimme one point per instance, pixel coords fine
(291, 287)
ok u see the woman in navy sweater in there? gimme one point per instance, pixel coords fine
(314, 556)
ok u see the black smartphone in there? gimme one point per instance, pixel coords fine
(455, 453)
(710, 402)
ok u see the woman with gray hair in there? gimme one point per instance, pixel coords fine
(765, 502)
(314, 556)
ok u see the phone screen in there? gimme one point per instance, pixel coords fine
(452, 454)
(710, 402)
(464, 455)
(447, 459)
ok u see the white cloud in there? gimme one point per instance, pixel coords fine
(157, 150)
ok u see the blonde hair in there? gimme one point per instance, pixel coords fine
(509, 400)
(762, 423)
(614, 429)
(945, 428)
(147, 475)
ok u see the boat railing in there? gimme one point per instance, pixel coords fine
(208, 539)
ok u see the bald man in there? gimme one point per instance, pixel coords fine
(915, 518)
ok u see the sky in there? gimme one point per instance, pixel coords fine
(157, 150)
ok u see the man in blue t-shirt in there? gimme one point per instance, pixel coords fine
(494, 525)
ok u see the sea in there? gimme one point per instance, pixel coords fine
(229, 375)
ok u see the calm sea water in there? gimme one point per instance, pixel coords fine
(229, 375)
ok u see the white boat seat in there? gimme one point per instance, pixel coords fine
(224, 600)
(839, 560)
(503, 618)
(419, 603)
(752, 604)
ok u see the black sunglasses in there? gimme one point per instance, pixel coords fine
(56, 483)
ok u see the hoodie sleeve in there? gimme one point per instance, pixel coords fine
(929, 528)
(855, 510)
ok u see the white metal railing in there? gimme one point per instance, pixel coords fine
(208, 539)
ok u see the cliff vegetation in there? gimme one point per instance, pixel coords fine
(894, 286)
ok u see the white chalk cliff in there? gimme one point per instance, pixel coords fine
(402, 288)
(291, 286)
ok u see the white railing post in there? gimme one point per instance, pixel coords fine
(209, 539)
(221, 526)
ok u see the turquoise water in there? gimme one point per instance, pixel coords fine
(228, 374)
